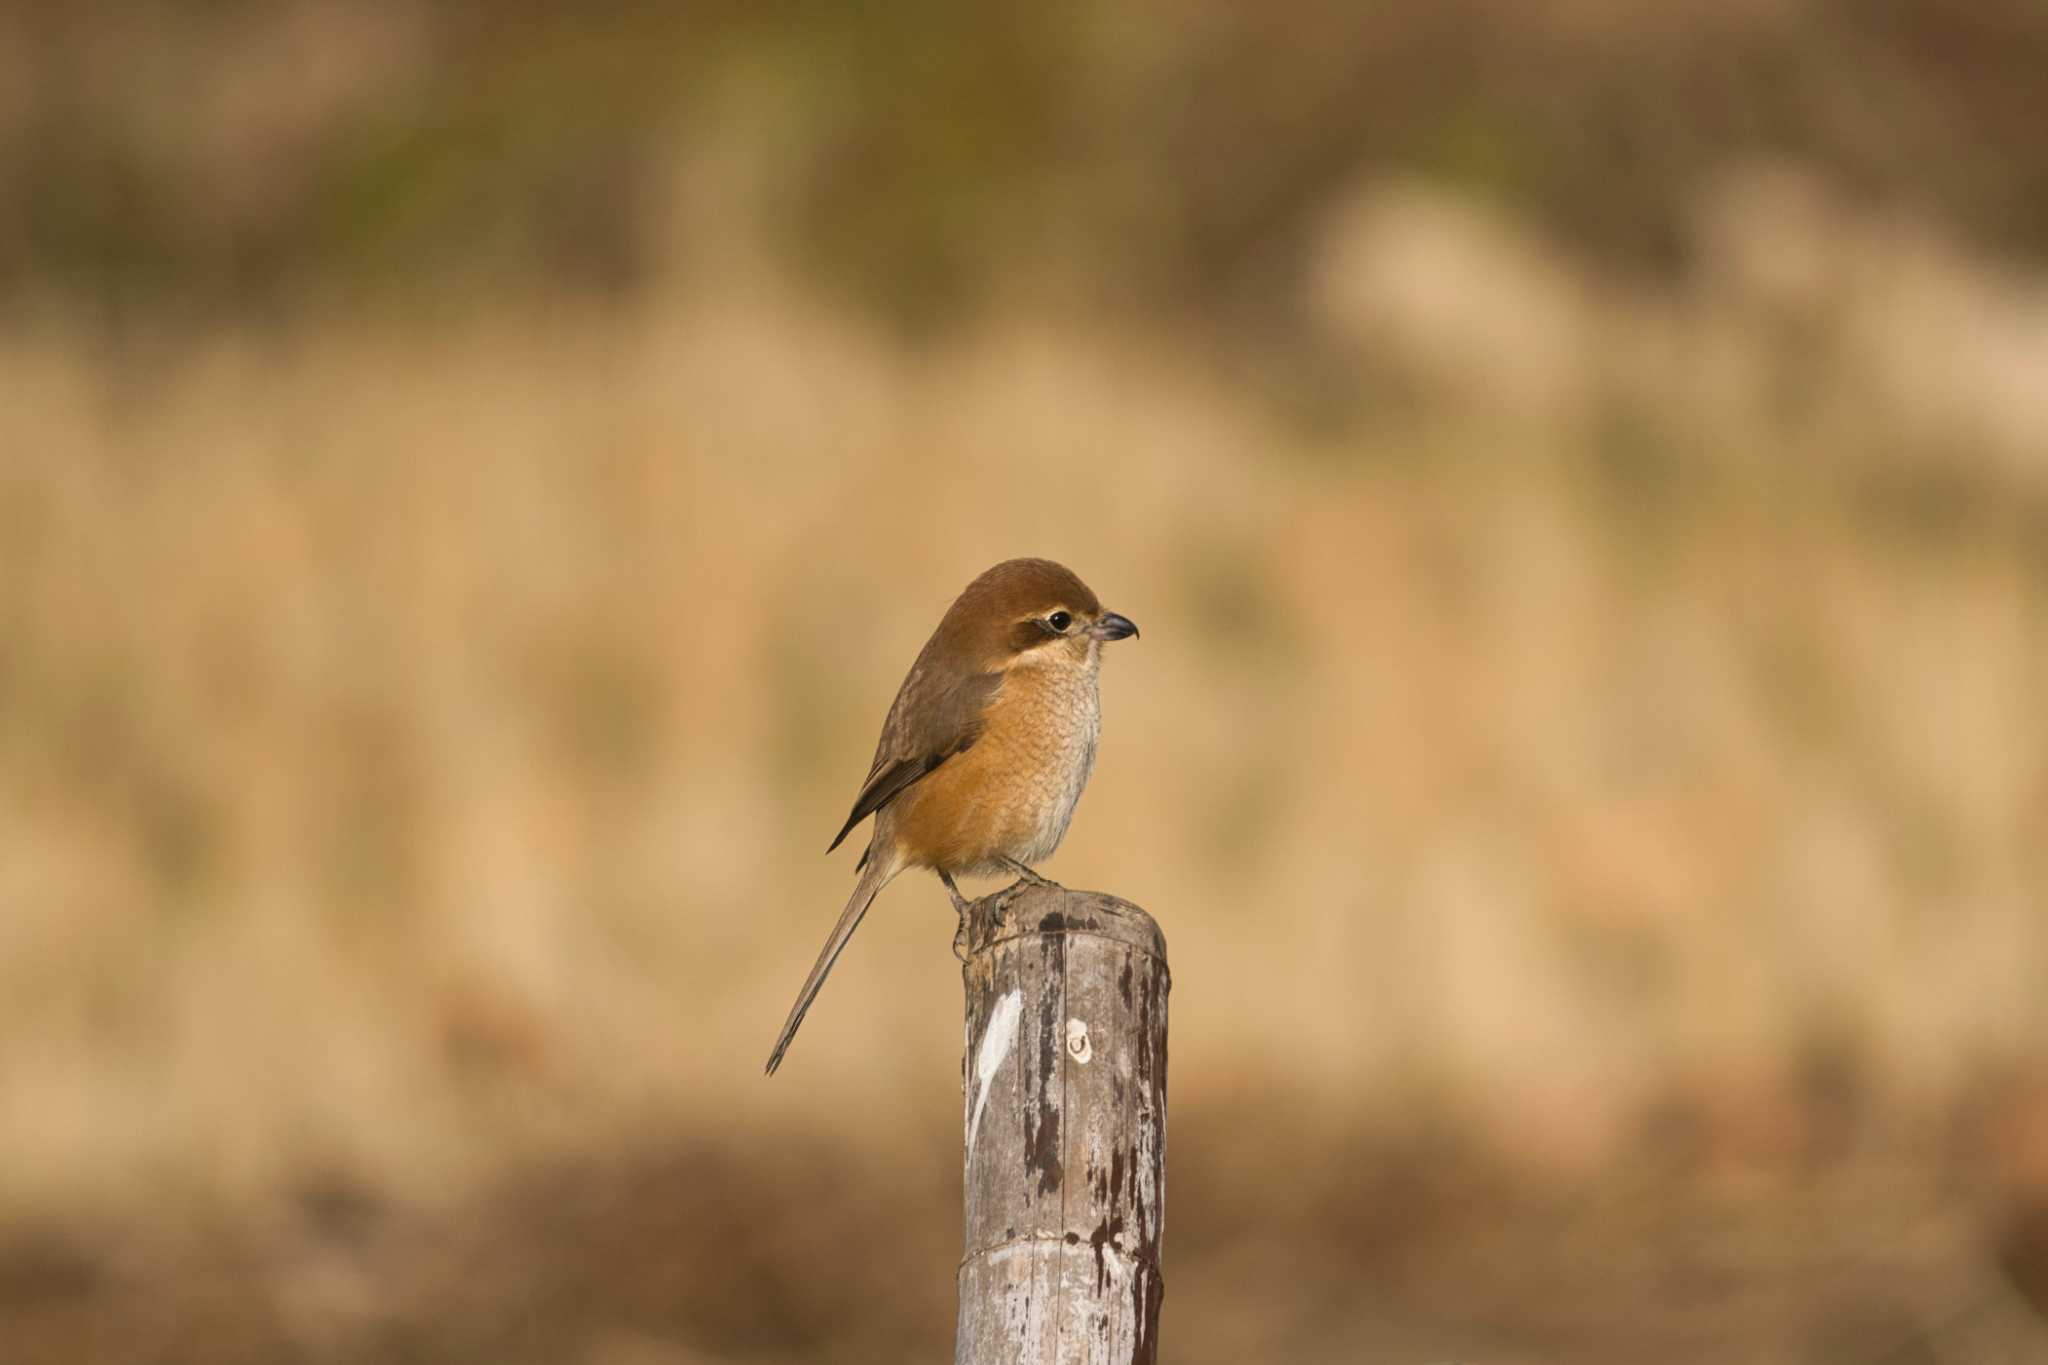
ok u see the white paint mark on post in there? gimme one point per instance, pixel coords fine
(1078, 1044)
(995, 1045)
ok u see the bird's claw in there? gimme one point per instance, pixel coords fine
(960, 908)
(1026, 874)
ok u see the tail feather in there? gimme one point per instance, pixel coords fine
(876, 876)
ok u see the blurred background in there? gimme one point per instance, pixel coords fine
(471, 480)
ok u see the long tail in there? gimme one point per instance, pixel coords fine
(878, 874)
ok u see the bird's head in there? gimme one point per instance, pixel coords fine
(1032, 612)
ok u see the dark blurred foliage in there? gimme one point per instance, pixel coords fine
(776, 1249)
(928, 152)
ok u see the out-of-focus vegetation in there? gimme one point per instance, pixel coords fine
(470, 484)
(927, 158)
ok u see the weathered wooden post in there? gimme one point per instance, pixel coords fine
(1065, 1130)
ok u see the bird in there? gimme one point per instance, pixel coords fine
(986, 748)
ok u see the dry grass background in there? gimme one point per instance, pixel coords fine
(1585, 749)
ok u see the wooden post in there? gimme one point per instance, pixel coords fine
(1065, 1130)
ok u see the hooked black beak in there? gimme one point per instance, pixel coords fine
(1110, 626)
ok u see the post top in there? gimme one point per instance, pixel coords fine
(1025, 910)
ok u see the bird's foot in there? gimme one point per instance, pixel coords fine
(1024, 873)
(960, 904)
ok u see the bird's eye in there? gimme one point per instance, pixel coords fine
(1059, 621)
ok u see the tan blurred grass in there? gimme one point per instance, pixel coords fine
(420, 735)
(1594, 707)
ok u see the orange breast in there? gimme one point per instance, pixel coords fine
(1012, 794)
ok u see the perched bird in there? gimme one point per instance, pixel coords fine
(986, 749)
